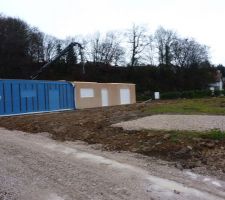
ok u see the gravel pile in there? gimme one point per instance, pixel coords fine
(176, 122)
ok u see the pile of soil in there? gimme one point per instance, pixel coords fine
(94, 127)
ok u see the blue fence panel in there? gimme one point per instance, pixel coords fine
(2, 103)
(24, 96)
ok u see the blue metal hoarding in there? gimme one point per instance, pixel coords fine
(31, 96)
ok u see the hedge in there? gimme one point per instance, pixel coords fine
(191, 94)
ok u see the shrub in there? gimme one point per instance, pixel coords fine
(218, 92)
(145, 96)
(191, 94)
(187, 94)
(170, 95)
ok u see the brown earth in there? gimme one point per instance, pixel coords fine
(93, 127)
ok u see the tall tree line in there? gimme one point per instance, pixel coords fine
(24, 49)
(133, 47)
(20, 45)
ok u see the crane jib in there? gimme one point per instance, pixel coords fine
(63, 52)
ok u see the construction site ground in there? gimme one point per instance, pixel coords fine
(202, 152)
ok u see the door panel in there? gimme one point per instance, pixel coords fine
(125, 96)
(105, 97)
(54, 99)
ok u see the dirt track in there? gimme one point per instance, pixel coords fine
(34, 167)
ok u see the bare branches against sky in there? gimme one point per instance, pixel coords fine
(200, 19)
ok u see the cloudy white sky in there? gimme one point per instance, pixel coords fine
(201, 19)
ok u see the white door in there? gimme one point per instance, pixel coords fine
(105, 97)
(125, 96)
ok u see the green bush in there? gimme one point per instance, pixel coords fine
(187, 94)
(191, 94)
(170, 95)
(203, 93)
(197, 94)
(145, 96)
(218, 92)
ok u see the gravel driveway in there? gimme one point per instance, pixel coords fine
(34, 167)
(176, 122)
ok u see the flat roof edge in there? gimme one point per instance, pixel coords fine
(103, 83)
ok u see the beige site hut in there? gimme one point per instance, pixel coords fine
(93, 94)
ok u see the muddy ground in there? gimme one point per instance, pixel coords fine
(202, 155)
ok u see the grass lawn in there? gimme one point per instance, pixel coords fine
(189, 135)
(212, 106)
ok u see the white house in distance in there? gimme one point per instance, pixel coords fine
(218, 84)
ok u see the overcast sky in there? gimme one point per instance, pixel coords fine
(201, 19)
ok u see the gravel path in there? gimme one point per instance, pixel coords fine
(34, 167)
(176, 122)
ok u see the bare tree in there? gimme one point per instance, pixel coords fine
(137, 38)
(108, 49)
(36, 48)
(149, 53)
(187, 52)
(164, 40)
(95, 47)
(50, 47)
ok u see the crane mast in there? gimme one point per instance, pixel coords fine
(62, 53)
